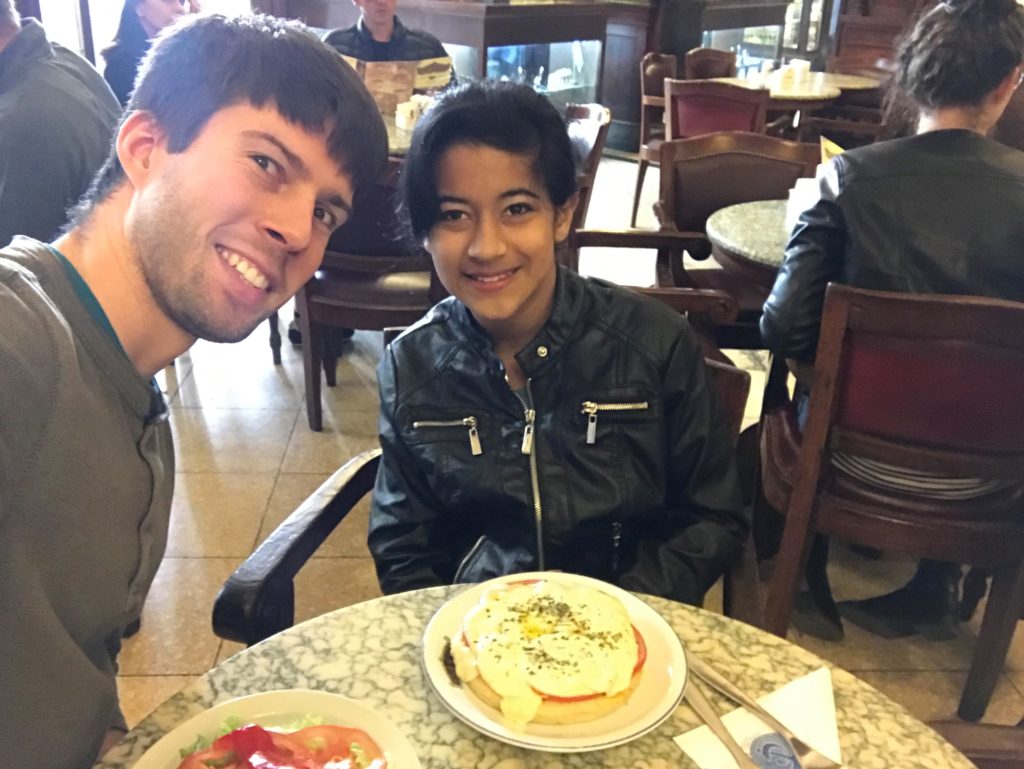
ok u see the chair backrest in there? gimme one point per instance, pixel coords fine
(928, 382)
(654, 69)
(701, 63)
(698, 107)
(588, 126)
(702, 175)
(373, 230)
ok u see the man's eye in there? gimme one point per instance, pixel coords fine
(326, 216)
(266, 163)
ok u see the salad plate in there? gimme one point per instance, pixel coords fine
(283, 710)
(655, 698)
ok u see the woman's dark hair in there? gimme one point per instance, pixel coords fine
(506, 116)
(130, 33)
(209, 63)
(960, 51)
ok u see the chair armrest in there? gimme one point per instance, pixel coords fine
(258, 600)
(672, 240)
(715, 305)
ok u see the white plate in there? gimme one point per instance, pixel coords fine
(280, 708)
(655, 698)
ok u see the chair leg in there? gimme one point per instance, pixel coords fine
(330, 345)
(1005, 601)
(312, 355)
(789, 566)
(640, 172)
(275, 339)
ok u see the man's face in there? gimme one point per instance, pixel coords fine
(226, 231)
(378, 13)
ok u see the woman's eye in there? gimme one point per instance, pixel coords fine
(519, 209)
(452, 215)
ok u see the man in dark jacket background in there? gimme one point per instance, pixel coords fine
(378, 35)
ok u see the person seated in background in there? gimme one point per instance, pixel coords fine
(56, 119)
(537, 419)
(140, 21)
(938, 212)
(379, 35)
(242, 149)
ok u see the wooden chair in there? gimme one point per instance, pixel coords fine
(698, 107)
(703, 63)
(588, 126)
(989, 746)
(258, 599)
(931, 383)
(704, 174)
(654, 69)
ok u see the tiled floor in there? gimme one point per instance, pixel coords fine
(246, 458)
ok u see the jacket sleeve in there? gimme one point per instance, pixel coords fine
(409, 535)
(705, 522)
(814, 257)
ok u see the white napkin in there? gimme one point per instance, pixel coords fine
(806, 706)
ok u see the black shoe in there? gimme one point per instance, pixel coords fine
(131, 628)
(294, 335)
(927, 605)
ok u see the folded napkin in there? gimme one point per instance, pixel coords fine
(805, 705)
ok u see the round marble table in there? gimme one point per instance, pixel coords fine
(750, 238)
(810, 92)
(371, 652)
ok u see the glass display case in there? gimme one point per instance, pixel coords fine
(566, 72)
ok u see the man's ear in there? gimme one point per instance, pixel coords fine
(563, 217)
(138, 139)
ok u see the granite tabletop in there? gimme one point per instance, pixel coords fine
(812, 86)
(371, 652)
(754, 231)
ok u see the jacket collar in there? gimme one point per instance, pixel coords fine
(398, 33)
(25, 49)
(547, 346)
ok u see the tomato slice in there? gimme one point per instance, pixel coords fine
(332, 745)
(258, 748)
(213, 757)
(641, 658)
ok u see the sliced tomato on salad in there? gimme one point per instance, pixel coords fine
(315, 747)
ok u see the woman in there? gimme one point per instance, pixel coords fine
(140, 21)
(938, 212)
(537, 419)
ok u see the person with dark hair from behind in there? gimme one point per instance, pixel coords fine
(139, 23)
(56, 120)
(537, 419)
(240, 152)
(379, 35)
(938, 212)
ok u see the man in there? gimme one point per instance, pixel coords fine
(240, 152)
(56, 119)
(378, 35)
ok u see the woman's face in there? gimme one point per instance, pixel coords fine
(494, 242)
(154, 15)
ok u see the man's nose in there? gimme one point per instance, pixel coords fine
(488, 239)
(289, 222)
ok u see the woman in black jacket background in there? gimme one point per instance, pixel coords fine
(140, 21)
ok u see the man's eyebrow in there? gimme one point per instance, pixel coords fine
(339, 202)
(292, 159)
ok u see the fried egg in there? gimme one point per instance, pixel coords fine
(542, 640)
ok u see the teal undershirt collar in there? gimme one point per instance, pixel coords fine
(87, 297)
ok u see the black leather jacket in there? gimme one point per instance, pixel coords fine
(405, 44)
(645, 497)
(940, 212)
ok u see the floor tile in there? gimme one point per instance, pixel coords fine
(217, 514)
(218, 382)
(176, 637)
(140, 695)
(326, 584)
(935, 696)
(346, 433)
(230, 440)
(348, 539)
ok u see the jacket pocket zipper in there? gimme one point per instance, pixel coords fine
(469, 422)
(467, 557)
(591, 408)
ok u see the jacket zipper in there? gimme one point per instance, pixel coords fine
(616, 546)
(529, 448)
(470, 422)
(590, 408)
(466, 558)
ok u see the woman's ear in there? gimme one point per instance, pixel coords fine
(563, 217)
(138, 140)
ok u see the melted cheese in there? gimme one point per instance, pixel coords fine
(532, 640)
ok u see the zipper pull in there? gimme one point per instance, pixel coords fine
(590, 409)
(527, 447)
(474, 437)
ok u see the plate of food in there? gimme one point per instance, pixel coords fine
(553, 661)
(290, 728)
